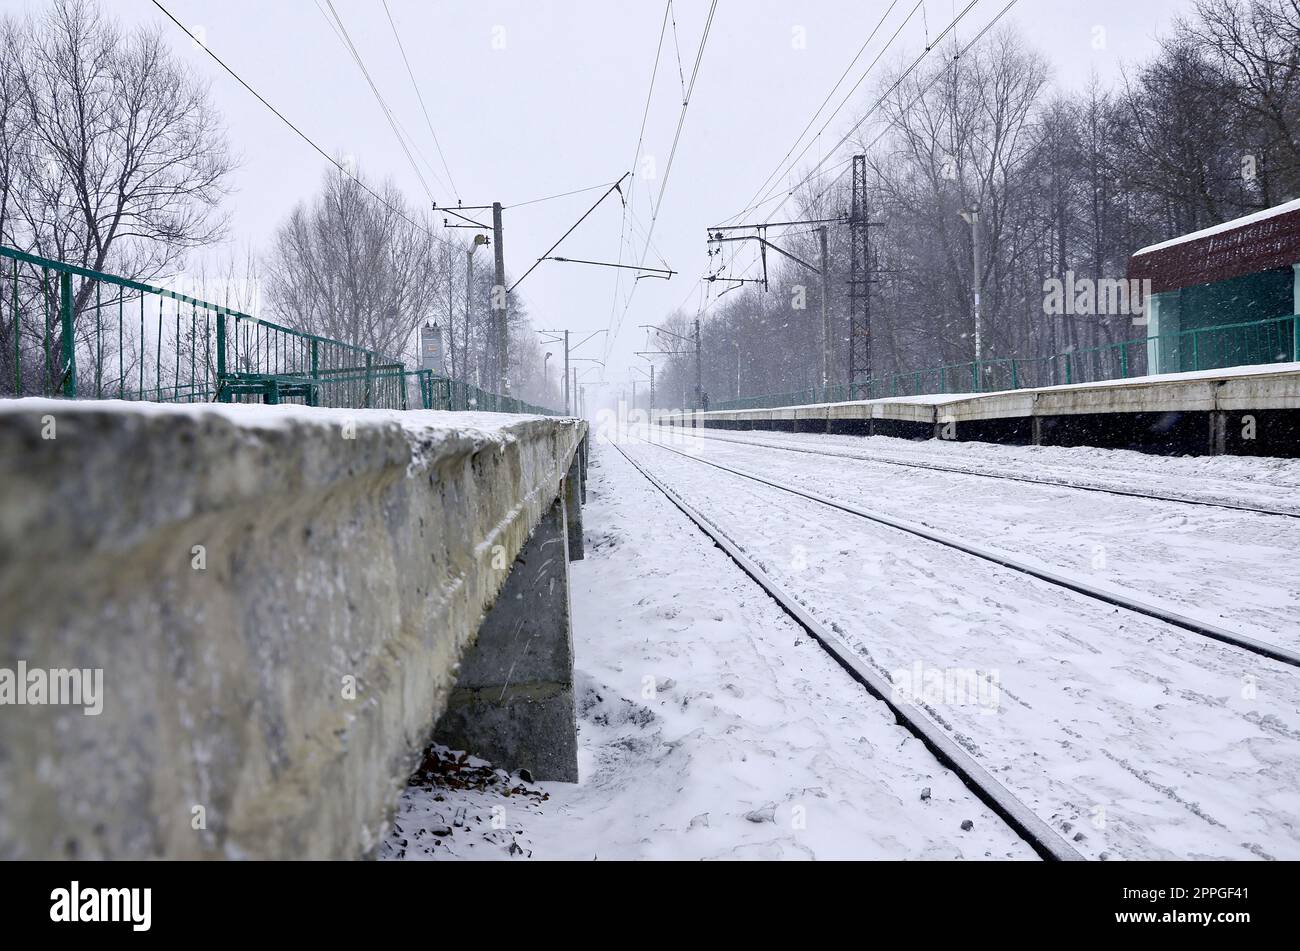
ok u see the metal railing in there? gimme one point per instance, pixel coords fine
(73, 332)
(1276, 340)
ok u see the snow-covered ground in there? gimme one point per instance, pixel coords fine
(1169, 745)
(1242, 480)
(710, 726)
(1235, 569)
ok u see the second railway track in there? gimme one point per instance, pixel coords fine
(984, 474)
(1104, 593)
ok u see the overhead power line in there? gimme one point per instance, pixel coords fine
(279, 115)
(388, 113)
(883, 96)
(636, 158)
(844, 165)
(538, 201)
(612, 188)
(425, 109)
(813, 118)
(663, 185)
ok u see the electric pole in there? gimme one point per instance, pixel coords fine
(699, 372)
(499, 304)
(972, 217)
(861, 277)
(826, 319)
(723, 234)
(570, 388)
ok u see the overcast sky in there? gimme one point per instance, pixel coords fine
(530, 98)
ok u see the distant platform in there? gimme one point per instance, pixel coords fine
(1248, 411)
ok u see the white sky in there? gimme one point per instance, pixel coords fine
(560, 106)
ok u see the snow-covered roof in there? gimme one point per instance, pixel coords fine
(1265, 241)
(1232, 225)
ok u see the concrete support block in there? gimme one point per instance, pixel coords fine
(513, 700)
(584, 448)
(573, 506)
(1218, 433)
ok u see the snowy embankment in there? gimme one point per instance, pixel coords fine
(1134, 738)
(710, 726)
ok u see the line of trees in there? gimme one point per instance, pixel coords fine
(1207, 130)
(114, 158)
(360, 264)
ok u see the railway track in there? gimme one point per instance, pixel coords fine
(934, 729)
(1040, 836)
(984, 474)
(1109, 595)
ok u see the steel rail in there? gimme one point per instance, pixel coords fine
(1040, 836)
(937, 467)
(1102, 593)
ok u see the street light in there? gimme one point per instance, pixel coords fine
(971, 216)
(737, 343)
(480, 241)
(546, 380)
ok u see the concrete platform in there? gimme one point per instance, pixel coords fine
(278, 601)
(1242, 411)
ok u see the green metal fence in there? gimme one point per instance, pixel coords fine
(1206, 348)
(73, 332)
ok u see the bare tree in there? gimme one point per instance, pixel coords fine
(126, 160)
(356, 265)
(111, 158)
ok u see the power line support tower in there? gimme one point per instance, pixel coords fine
(859, 283)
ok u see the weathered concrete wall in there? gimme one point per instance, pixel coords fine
(513, 702)
(279, 687)
(1175, 413)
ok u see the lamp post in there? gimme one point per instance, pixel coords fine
(737, 344)
(479, 241)
(546, 380)
(972, 217)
